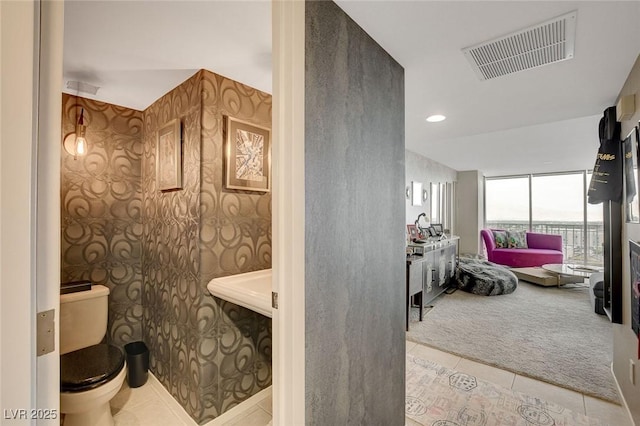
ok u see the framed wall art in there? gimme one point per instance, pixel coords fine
(634, 277)
(169, 156)
(247, 149)
(435, 202)
(631, 181)
(416, 191)
(412, 230)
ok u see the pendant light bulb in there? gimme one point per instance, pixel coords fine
(81, 145)
(75, 143)
(81, 141)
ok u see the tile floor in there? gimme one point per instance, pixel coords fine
(151, 405)
(148, 405)
(609, 413)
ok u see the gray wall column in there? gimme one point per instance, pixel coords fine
(470, 211)
(354, 238)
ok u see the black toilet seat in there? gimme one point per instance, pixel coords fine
(90, 367)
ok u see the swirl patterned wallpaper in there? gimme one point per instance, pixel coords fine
(210, 354)
(157, 251)
(101, 199)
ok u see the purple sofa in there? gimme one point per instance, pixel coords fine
(542, 249)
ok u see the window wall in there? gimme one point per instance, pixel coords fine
(549, 203)
(507, 202)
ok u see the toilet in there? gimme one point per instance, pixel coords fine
(91, 373)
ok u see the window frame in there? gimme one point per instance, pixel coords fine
(530, 176)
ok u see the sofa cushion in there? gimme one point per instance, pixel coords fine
(520, 258)
(501, 239)
(544, 241)
(516, 239)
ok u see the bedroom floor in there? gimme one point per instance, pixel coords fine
(152, 405)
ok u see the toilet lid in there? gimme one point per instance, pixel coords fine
(90, 367)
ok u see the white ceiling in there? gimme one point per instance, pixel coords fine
(136, 51)
(540, 120)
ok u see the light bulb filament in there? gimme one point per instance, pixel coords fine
(81, 146)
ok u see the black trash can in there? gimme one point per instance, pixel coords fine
(137, 355)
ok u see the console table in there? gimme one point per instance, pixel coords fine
(430, 274)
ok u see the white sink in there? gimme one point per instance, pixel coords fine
(251, 290)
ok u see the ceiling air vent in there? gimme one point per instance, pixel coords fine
(542, 44)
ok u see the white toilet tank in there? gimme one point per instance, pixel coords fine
(83, 318)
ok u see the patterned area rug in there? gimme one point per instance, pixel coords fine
(438, 396)
(547, 333)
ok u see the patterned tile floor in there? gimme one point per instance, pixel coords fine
(151, 405)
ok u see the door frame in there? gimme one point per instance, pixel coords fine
(288, 156)
(43, 177)
(17, 275)
(48, 86)
(30, 201)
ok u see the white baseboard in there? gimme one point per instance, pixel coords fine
(241, 408)
(624, 401)
(177, 409)
(170, 402)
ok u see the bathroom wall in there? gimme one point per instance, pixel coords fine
(235, 237)
(101, 217)
(208, 353)
(171, 258)
(354, 224)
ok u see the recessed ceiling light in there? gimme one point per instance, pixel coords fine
(435, 118)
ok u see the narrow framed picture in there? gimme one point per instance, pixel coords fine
(169, 156)
(631, 179)
(634, 277)
(247, 151)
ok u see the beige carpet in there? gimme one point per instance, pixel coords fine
(438, 396)
(547, 333)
